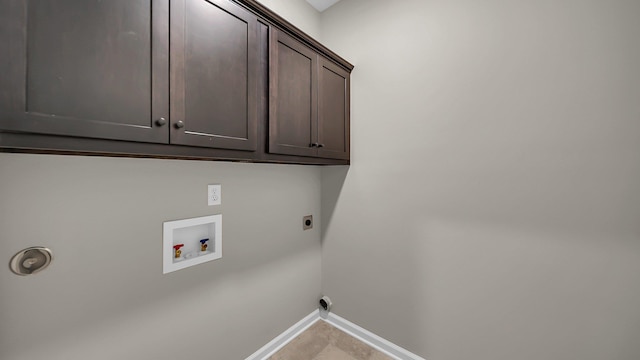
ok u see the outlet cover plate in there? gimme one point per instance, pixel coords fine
(214, 194)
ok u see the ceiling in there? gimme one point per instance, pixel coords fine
(322, 5)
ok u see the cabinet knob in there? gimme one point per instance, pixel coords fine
(161, 121)
(320, 145)
(180, 124)
(313, 145)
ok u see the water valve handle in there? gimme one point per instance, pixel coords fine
(203, 244)
(177, 251)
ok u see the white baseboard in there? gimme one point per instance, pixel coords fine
(283, 339)
(367, 337)
(371, 339)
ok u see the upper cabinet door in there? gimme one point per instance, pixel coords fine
(333, 111)
(293, 97)
(85, 68)
(214, 72)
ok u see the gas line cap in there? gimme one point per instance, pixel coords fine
(30, 260)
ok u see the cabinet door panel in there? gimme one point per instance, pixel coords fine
(215, 75)
(333, 111)
(293, 110)
(89, 69)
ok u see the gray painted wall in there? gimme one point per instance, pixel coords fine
(105, 297)
(490, 211)
(492, 208)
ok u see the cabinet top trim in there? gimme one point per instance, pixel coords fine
(275, 19)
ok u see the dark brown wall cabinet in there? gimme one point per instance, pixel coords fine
(179, 78)
(101, 70)
(89, 69)
(214, 64)
(309, 103)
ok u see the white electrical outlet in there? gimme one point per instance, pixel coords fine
(214, 195)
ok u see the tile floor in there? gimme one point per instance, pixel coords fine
(322, 341)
